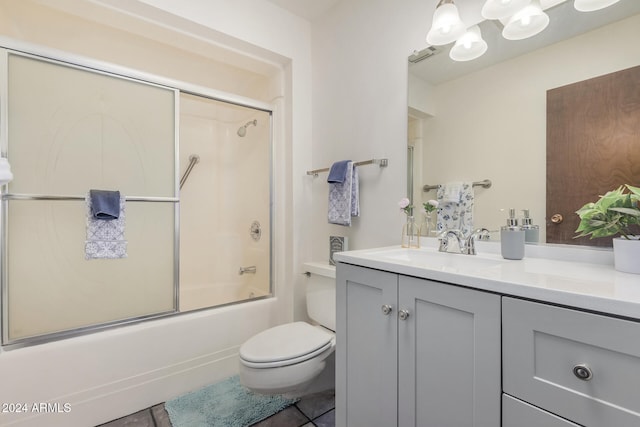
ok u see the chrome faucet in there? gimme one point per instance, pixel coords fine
(466, 245)
(470, 242)
(445, 241)
(482, 234)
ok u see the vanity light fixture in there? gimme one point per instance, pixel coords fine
(501, 9)
(591, 5)
(526, 23)
(521, 18)
(447, 26)
(469, 46)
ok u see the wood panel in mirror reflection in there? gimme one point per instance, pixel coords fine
(594, 127)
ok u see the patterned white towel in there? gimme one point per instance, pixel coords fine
(456, 215)
(451, 192)
(344, 198)
(105, 238)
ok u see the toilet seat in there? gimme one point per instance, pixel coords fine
(285, 345)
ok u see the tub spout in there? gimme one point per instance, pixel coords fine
(251, 269)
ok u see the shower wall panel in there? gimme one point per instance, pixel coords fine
(227, 190)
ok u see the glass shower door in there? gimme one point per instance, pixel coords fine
(72, 129)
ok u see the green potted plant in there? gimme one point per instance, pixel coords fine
(617, 213)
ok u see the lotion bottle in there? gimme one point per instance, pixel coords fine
(531, 232)
(512, 238)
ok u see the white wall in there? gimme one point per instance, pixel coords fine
(360, 52)
(421, 99)
(109, 374)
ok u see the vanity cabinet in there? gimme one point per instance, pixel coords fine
(581, 366)
(415, 352)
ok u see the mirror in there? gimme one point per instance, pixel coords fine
(486, 119)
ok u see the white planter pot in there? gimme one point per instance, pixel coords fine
(626, 254)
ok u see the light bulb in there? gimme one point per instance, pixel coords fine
(447, 25)
(469, 46)
(526, 23)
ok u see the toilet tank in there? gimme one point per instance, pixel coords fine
(321, 293)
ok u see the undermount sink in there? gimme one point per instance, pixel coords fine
(431, 258)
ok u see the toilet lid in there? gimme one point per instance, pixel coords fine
(284, 344)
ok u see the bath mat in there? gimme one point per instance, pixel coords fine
(223, 404)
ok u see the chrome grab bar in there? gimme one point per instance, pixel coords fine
(250, 269)
(193, 159)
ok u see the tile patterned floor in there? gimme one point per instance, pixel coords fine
(314, 410)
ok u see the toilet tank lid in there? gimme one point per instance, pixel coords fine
(321, 269)
(284, 342)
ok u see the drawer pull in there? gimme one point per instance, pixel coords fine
(403, 314)
(582, 372)
(386, 309)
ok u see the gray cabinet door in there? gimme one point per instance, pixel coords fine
(448, 356)
(366, 347)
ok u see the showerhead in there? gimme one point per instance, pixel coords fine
(242, 131)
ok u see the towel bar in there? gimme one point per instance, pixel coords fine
(484, 184)
(380, 162)
(61, 197)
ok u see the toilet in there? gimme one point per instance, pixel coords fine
(288, 359)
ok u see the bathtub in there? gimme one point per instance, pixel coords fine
(194, 297)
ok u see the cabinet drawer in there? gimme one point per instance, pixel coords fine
(516, 413)
(545, 346)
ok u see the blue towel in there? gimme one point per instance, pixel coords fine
(338, 172)
(105, 204)
(344, 201)
(105, 239)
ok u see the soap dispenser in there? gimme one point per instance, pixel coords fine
(531, 232)
(512, 238)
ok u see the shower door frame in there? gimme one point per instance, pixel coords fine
(10, 46)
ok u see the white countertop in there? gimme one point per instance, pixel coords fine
(576, 277)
